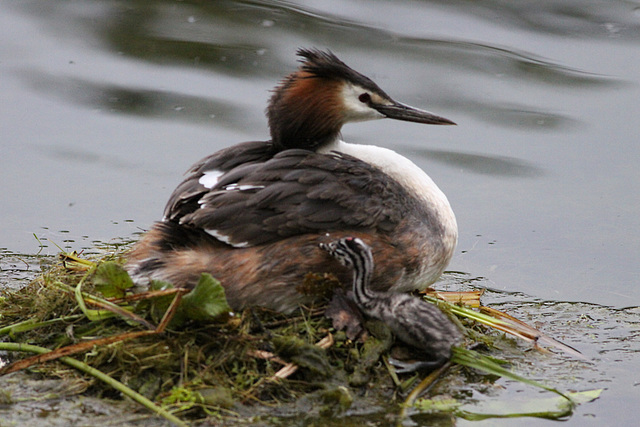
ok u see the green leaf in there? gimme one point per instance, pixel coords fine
(581, 397)
(435, 406)
(112, 280)
(551, 408)
(206, 301)
(555, 408)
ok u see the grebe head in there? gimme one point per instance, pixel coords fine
(310, 106)
(348, 249)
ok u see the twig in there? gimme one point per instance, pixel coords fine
(290, 368)
(147, 295)
(287, 369)
(266, 355)
(69, 350)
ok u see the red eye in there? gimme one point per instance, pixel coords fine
(365, 98)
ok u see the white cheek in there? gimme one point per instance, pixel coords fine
(210, 178)
(354, 109)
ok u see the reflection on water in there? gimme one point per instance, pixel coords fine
(498, 166)
(135, 101)
(565, 18)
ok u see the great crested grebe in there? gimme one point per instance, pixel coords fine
(252, 215)
(413, 321)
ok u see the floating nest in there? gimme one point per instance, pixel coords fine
(186, 357)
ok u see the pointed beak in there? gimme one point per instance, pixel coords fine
(404, 112)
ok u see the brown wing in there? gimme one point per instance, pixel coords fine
(294, 192)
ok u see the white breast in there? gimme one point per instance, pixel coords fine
(423, 188)
(406, 173)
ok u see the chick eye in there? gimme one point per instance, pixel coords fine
(365, 98)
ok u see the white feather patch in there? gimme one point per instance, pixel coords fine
(209, 179)
(243, 187)
(226, 239)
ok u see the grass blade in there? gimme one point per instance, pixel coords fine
(473, 359)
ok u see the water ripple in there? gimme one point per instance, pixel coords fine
(482, 164)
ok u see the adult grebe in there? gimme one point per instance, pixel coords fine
(412, 320)
(252, 215)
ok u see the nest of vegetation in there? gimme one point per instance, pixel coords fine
(184, 356)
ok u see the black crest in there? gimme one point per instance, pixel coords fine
(325, 64)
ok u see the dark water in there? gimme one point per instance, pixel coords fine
(105, 104)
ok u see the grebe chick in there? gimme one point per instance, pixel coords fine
(414, 321)
(252, 215)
